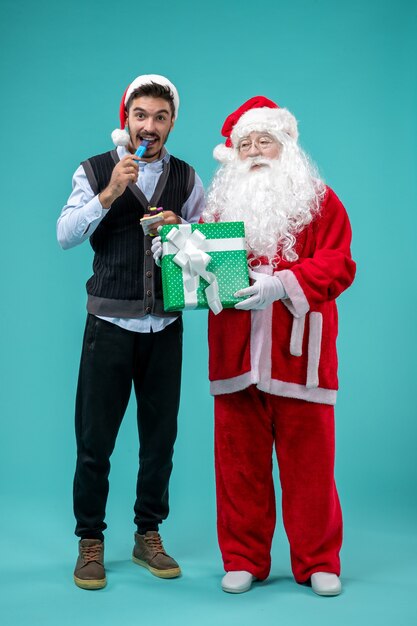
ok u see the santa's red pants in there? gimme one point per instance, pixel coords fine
(248, 424)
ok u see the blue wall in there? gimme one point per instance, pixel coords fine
(348, 73)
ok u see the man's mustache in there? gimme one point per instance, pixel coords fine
(149, 136)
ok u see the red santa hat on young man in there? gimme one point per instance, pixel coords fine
(119, 136)
(256, 114)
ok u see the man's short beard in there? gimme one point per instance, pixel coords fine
(275, 200)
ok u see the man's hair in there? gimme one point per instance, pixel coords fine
(152, 90)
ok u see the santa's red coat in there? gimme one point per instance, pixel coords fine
(289, 349)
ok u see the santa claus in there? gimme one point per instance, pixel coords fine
(273, 362)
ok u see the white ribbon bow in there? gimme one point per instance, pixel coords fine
(193, 261)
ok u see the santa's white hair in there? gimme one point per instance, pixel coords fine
(275, 201)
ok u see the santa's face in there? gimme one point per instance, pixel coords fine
(256, 145)
(272, 188)
(151, 119)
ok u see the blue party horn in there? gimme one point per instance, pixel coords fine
(142, 148)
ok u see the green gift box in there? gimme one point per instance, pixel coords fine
(203, 265)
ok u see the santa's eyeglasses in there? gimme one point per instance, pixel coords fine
(262, 143)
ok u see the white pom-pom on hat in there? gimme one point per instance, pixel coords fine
(223, 154)
(119, 134)
(120, 137)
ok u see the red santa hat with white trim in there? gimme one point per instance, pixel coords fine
(120, 136)
(256, 114)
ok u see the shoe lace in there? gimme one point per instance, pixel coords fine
(91, 553)
(154, 543)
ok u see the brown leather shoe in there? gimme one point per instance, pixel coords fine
(150, 553)
(89, 570)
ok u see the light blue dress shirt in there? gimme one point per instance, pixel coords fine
(83, 213)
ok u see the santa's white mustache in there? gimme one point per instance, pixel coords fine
(250, 162)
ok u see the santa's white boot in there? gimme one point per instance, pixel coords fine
(325, 584)
(237, 582)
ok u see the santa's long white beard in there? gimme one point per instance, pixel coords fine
(275, 201)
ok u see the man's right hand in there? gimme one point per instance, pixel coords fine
(126, 171)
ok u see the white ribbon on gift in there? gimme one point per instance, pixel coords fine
(190, 249)
(193, 262)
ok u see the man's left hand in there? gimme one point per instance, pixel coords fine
(167, 217)
(264, 291)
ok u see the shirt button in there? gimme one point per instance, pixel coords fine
(148, 274)
(148, 309)
(149, 292)
(148, 252)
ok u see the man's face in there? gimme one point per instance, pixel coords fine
(149, 118)
(258, 144)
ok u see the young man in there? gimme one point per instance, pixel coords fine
(128, 336)
(273, 363)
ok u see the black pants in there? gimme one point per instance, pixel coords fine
(111, 359)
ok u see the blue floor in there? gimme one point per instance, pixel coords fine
(379, 579)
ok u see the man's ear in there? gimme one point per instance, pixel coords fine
(172, 123)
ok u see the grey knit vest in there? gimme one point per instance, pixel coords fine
(126, 282)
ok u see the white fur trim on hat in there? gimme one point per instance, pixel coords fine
(265, 119)
(146, 79)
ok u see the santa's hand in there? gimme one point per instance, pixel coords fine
(157, 250)
(264, 291)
